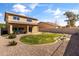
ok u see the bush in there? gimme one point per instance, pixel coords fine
(12, 36)
(12, 43)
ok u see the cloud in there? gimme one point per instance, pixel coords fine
(1, 18)
(77, 23)
(54, 12)
(2, 21)
(76, 11)
(20, 8)
(33, 5)
(49, 11)
(57, 11)
(1, 14)
(57, 15)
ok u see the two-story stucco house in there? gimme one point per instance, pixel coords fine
(20, 23)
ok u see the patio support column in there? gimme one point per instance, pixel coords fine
(27, 29)
(11, 31)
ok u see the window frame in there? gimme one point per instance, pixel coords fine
(16, 18)
(29, 19)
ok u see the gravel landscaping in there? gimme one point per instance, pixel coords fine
(22, 49)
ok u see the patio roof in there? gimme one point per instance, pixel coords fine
(24, 23)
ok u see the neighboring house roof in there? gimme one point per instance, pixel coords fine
(20, 15)
(47, 25)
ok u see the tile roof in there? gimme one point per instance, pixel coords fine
(19, 15)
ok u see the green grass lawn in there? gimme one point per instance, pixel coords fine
(39, 39)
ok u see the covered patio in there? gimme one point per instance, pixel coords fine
(22, 28)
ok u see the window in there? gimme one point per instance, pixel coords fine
(16, 17)
(29, 19)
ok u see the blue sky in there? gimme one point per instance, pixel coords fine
(46, 12)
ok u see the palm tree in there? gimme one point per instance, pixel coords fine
(72, 18)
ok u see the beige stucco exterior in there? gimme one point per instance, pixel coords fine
(22, 25)
(10, 18)
(35, 29)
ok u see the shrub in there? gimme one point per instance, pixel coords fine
(12, 36)
(12, 43)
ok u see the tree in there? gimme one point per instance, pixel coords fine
(72, 18)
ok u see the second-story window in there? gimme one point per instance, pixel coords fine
(16, 17)
(29, 19)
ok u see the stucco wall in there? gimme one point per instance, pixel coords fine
(34, 21)
(10, 18)
(22, 19)
(35, 29)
